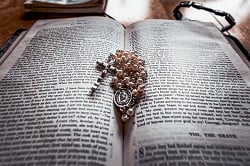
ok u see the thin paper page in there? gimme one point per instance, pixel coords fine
(47, 115)
(196, 105)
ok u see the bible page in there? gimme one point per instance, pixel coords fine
(47, 115)
(196, 107)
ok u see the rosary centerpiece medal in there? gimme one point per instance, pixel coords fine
(128, 81)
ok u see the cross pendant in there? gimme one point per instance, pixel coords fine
(106, 68)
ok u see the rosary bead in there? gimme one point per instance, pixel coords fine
(126, 54)
(139, 81)
(137, 75)
(126, 66)
(111, 55)
(133, 52)
(134, 92)
(142, 74)
(135, 61)
(115, 87)
(119, 52)
(140, 63)
(139, 58)
(131, 84)
(129, 64)
(128, 57)
(119, 73)
(122, 110)
(118, 60)
(133, 57)
(141, 68)
(133, 79)
(124, 58)
(126, 80)
(120, 55)
(130, 112)
(140, 88)
(135, 67)
(114, 57)
(119, 84)
(125, 117)
(114, 80)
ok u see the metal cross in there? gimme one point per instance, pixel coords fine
(106, 68)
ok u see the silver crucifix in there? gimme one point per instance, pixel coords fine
(106, 68)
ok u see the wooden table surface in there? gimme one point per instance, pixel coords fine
(13, 16)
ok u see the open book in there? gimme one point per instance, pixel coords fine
(195, 111)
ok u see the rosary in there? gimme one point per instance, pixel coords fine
(128, 82)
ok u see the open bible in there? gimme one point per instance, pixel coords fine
(195, 110)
